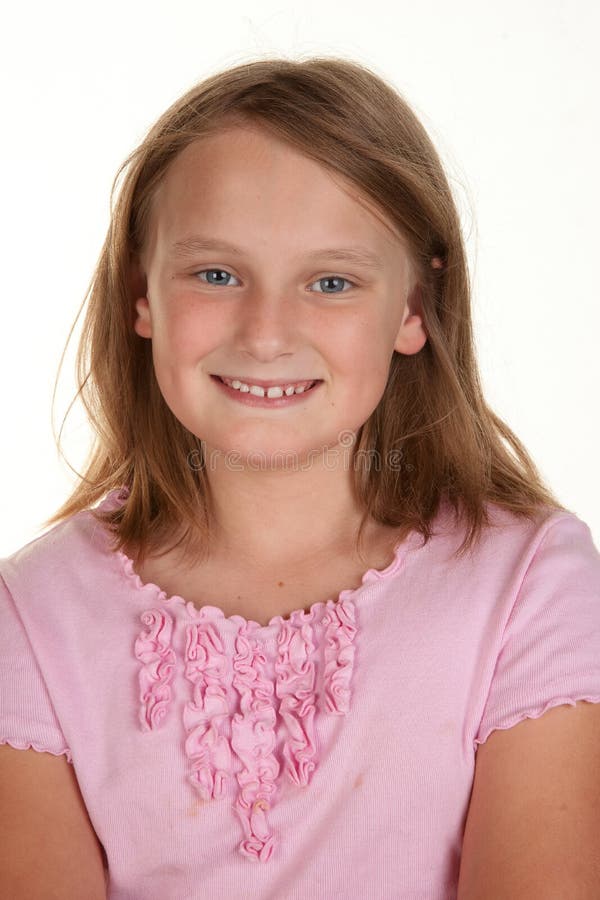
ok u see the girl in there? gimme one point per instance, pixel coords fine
(322, 572)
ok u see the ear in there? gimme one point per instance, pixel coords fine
(138, 288)
(143, 321)
(411, 335)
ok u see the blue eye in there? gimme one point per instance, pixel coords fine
(221, 272)
(336, 278)
(330, 278)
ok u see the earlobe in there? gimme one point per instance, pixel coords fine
(411, 335)
(143, 322)
(138, 287)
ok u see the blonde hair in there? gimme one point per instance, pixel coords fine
(432, 418)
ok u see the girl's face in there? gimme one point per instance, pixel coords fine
(278, 304)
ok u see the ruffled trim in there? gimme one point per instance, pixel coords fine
(153, 649)
(296, 692)
(130, 572)
(253, 739)
(216, 614)
(237, 708)
(31, 745)
(206, 746)
(534, 713)
(340, 631)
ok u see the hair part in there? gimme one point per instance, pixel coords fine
(432, 436)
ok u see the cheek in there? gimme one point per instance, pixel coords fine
(176, 348)
(184, 333)
(364, 376)
(366, 354)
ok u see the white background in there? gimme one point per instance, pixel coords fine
(508, 93)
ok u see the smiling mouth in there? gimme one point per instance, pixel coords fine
(262, 388)
(274, 395)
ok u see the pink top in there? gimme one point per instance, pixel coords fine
(334, 748)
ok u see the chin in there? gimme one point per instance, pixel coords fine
(262, 457)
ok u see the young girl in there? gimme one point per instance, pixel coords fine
(322, 573)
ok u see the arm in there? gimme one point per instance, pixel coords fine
(533, 826)
(48, 847)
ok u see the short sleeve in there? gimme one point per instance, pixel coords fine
(27, 717)
(550, 652)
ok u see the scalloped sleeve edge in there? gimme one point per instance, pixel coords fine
(32, 745)
(534, 712)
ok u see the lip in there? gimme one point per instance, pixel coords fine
(264, 402)
(259, 382)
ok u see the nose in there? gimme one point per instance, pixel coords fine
(269, 324)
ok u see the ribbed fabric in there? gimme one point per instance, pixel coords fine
(328, 754)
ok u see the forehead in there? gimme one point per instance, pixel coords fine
(247, 184)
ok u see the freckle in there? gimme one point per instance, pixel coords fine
(280, 584)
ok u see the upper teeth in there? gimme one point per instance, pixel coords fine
(275, 391)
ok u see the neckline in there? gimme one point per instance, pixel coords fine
(215, 613)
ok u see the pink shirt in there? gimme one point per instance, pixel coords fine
(330, 754)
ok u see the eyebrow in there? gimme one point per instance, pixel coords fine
(196, 243)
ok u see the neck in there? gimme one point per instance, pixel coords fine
(289, 518)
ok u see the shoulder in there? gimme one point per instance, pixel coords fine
(507, 542)
(68, 548)
(555, 546)
(549, 591)
(503, 521)
(525, 537)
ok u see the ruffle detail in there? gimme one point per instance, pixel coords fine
(253, 739)
(153, 649)
(296, 692)
(204, 717)
(243, 703)
(32, 745)
(129, 570)
(340, 630)
(534, 713)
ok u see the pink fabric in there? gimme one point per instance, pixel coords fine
(327, 754)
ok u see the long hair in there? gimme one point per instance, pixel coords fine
(432, 436)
